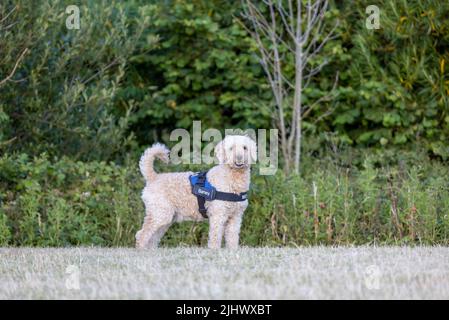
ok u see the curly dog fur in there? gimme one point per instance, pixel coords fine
(168, 197)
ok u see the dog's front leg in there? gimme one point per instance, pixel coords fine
(217, 222)
(232, 230)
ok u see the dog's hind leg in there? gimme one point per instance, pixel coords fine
(157, 236)
(150, 234)
(153, 229)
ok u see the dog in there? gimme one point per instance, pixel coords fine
(168, 197)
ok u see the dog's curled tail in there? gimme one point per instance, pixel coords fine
(157, 150)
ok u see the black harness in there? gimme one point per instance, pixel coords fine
(204, 191)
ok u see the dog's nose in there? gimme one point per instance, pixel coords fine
(239, 157)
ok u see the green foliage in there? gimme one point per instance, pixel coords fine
(5, 234)
(204, 68)
(63, 202)
(60, 202)
(138, 69)
(395, 91)
(61, 100)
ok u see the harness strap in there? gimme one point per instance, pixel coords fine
(201, 200)
(226, 196)
(210, 193)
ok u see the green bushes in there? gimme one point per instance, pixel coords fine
(347, 206)
(204, 68)
(61, 202)
(62, 98)
(138, 69)
(392, 89)
(64, 202)
(5, 234)
(395, 90)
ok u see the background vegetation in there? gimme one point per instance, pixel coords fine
(83, 104)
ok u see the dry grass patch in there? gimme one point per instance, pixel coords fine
(248, 273)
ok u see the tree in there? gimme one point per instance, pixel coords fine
(285, 31)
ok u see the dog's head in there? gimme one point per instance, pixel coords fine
(236, 151)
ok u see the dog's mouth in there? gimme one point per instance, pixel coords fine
(239, 165)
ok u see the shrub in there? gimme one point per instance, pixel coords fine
(5, 234)
(79, 98)
(61, 100)
(204, 68)
(63, 202)
(395, 89)
(140, 70)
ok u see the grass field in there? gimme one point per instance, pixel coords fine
(248, 273)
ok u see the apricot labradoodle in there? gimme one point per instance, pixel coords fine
(220, 194)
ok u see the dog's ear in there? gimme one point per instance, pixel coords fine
(220, 152)
(252, 150)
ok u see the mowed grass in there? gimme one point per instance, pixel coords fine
(247, 273)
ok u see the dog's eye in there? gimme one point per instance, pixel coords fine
(245, 148)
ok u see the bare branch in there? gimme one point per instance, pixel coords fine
(315, 14)
(5, 143)
(2, 82)
(264, 54)
(8, 14)
(113, 63)
(309, 75)
(299, 28)
(324, 98)
(288, 27)
(327, 38)
(267, 31)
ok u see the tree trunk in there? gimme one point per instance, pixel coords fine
(297, 106)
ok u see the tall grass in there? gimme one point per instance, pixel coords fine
(335, 201)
